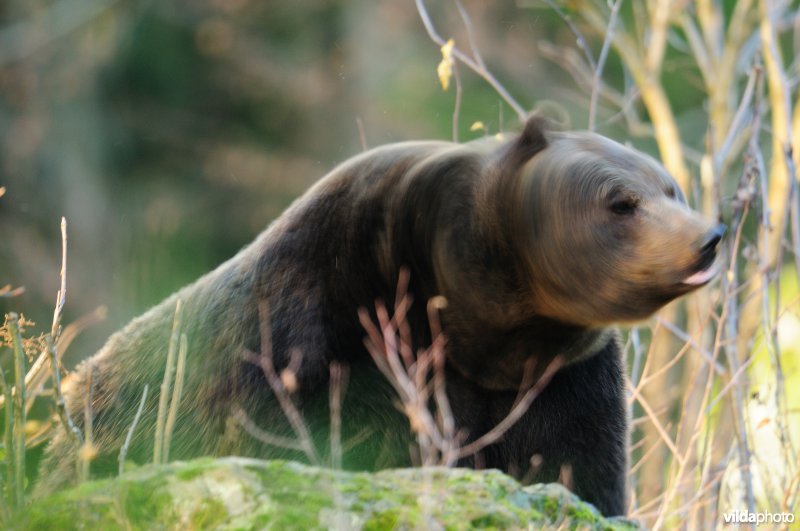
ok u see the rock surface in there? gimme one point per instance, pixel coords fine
(239, 493)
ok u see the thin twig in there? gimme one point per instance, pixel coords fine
(123, 452)
(362, 135)
(738, 117)
(166, 383)
(686, 338)
(473, 43)
(457, 104)
(177, 390)
(66, 420)
(267, 438)
(516, 412)
(281, 394)
(6, 292)
(570, 61)
(656, 423)
(579, 38)
(446, 420)
(601, 62)
(337, 389)
(754, 168)
(638, 354)
(61, 297)
(19, 411)
(657, 43)
(795, 224)
(8, 442)
(735, 380)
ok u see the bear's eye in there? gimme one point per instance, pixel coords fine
(623, 207)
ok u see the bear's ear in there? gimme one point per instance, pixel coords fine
(532, 139)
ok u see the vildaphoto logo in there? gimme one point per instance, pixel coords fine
(746, 517)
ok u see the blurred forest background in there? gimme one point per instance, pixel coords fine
(169, 134)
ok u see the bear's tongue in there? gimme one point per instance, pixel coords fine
(701, 277)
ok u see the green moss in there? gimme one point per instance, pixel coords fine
(141, 503)
(197, 468)
(234, 493)
(389, 519)
(210, 514)
(493, 521)
(551, 507)
(582, 512)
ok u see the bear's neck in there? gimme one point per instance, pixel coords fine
(498, 359)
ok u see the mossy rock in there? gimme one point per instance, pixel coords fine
(239, 493)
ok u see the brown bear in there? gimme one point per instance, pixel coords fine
(539, 243)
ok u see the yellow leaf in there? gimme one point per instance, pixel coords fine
(447, 50)
(2, 191)
(445, 68)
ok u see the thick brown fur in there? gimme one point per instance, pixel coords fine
(539, 244)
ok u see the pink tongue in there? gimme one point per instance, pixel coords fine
(701, 277)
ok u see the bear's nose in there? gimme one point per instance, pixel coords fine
(712, 238)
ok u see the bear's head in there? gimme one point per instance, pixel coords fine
(604, 232)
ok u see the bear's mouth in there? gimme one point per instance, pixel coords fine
(702, 276)
(706, 270)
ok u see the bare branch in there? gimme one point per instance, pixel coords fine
(516, 412)
(66, 421)
(601, 62)
(61, 298)
(473, 44)
(457, 105)
(123, 451)
(657, 423)
(7, 291)
(471, 63)
(657, 44)
(264, 360)
(579, 38)
(177, 390)
(337, 389)
(166, 384)
(686, 338)
(267, 438)
(18, 430)
(362, 135)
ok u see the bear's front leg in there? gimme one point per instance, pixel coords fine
(575, 431)
(594, 449)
